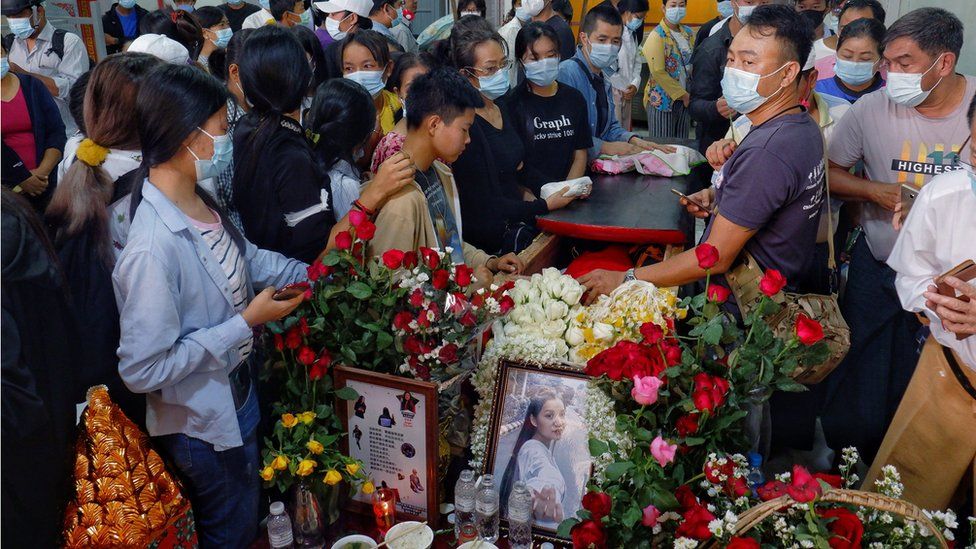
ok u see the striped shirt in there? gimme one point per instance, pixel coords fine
(232, 262)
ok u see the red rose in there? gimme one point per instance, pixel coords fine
(357, 252)
(845, 529)
(707, 255)
(687, 425)
(803, 487)
(736, 487)
(808, 331)
(409, 260)
(709, 392)
(417, 298)
(448, 354)
(431, 259)
(356, 217)
(293, 339)
(626, 359)
(440, 279)
(402, 320)
(686, 498)
(344, 240)
(652, 333)
(598, 504)
(742, 543)
(672, 352)
(462, 275)
(320, 367)
(771, 490)
(279, 342)
(468, 319)
(695, 524)
(506, 304)
(715, 473)
(835, 481)
(588, 534)
(393, 259)
(718, 294)
(303, 326)
(366, 231)
(316, 270)
(412, 345)
(306, 356)
(772, 282)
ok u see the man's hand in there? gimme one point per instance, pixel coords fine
(600, 282)
(886, 195)
(958, 316)
(706, 197)
(111, 40)
(719, 152)
(686, 99)
(508, 264)
(34, 185)
(15, 68)
(723, 108)
(629, 92)
(651, 146)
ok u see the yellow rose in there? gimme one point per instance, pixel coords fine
(332, 477)
(368, 488)
(305, 467)
(315, 447)
(289, 420)
(279, 463)
(352, 468)
(267, 473)
(306, 417)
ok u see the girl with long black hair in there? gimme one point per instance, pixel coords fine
(185, 286)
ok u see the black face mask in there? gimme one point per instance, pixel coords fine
(814, 17)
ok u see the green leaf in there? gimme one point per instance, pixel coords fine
(383, 340)
(631, 516)
(598, 447)
(663, 499)
(347, 393)
(275, 327)
(618, 469)
(331, 259)
(713, 333)
(565, 526)
(359, 290)
(790, 385)
(694, 441)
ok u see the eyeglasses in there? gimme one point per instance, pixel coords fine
(491, 71)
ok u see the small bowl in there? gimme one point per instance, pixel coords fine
(344, 542)
(478, 545)
(424, 536)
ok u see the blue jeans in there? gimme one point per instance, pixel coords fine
(223, 487)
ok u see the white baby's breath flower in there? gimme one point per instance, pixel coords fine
(685, 543)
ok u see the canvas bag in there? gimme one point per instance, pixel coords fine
(744, 280)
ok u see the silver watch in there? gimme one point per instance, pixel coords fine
(630, 275)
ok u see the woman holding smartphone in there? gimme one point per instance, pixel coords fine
(185, 285)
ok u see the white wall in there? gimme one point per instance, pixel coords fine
(964, 9)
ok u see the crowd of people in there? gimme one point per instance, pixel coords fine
(154, 200)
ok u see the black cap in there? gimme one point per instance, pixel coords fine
(13, 7)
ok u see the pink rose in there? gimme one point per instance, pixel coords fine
(645, 389)
(650, 517)
(356, 217)
(662, 451)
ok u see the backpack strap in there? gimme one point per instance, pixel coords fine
(8, 41)
(57, 43)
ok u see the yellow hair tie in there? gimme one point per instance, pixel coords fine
(91, 153)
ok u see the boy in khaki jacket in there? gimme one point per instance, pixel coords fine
(428, 213)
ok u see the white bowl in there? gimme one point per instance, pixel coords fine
(419, 538)
(342, 543)
(478, 545)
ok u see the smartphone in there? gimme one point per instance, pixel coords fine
(964, 271)
(692, 200)
(291, 291)
(908, 195)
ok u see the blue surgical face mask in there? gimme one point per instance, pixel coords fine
(305, 17)
(21, 27)
(543, 72)
(235, 2)
(854, 73)
(223, 37)
(371, 80)
(674, 15)
(265, 4)
(185, 7)
(634, 24)
(4, 67)
(494, 86)
(744, 13)
(222, 156)
(739, 88)
(725, 8)
(127, 4)
(522, 14)
(603, 56)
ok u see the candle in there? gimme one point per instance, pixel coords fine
(384, 508)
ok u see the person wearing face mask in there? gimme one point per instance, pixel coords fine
(385, 14)
(55, 57)
(237, 11)
(627, 79)
(260, 17)
(706, 105)
(907, 133)
(216, 32)
(589, 71)
(815, 11)
(401, 27)
(668, 51)
(366, 61)
(550, 117)
(290, 13)
(522, 13)
(407, 68)
(711, 26)
(186, 5)
(826, 48)
(857, 69)
(936, 415)
(121, 24)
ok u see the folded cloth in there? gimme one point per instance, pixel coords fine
(660, 163)
(581, 186)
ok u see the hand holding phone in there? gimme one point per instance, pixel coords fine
(291, 291)
(690, 200)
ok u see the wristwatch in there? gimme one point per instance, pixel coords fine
(630, 276)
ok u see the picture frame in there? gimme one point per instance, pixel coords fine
(397, 439)
(520, 386)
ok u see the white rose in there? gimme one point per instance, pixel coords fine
(561, 348)
(572, 292)
(557, 310)
(512, 330)
(574, 336)
(550, 274)
(521, 316)
(602, 332)
(553, 329)
(537, 313)
(520, 291)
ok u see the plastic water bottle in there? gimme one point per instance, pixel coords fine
(279, 527)
(520, 517)
(486, 509)
(465, 528)
(755, 477)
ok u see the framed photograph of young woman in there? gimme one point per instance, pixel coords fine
(392, 428)
(537, 436)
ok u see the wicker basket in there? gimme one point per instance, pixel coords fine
(755, 515)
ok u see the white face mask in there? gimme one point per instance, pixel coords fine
(740, 89)
(744, 12)
(332, 26)
(905, 88)
(475, 13)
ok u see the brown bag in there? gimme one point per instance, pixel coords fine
(744, 280)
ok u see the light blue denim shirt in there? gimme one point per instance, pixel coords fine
(571, 74)
(180, 331)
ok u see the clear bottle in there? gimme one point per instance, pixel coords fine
(755, 477)
(520, 517)
(486, 509)
(279, 527)
(465, 528)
